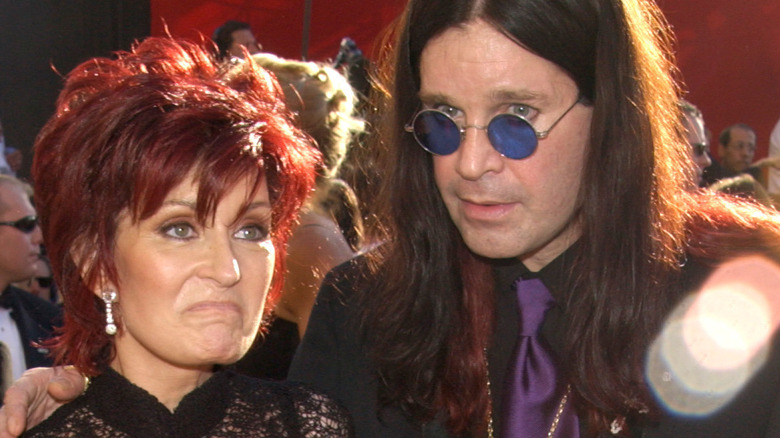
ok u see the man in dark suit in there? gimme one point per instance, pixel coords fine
(24, 318)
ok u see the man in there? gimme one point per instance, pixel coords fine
(233, 38)
(529, 142)
(24, 318)
(530, 153)
(736, 148)
(737, 174)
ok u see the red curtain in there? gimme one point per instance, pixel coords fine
(278, 24)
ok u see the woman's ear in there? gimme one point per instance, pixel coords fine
(94, 276)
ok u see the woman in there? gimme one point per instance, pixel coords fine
(167, 187)
(330, 228)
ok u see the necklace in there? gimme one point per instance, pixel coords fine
(556, 418)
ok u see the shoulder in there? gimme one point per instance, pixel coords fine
(319, 414)
(33, 304)
(318, 240)
(312, 411)
(343, 282)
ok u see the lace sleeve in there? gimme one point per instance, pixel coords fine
(321, 416)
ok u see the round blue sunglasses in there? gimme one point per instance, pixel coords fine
(510, 134)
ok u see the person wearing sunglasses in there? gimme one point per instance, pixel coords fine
(695, 133)
(742, 184)
(537, 171)
(25, 319)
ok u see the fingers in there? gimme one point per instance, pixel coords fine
(19, 396)
(66, 384)
(13, 415)
(38, 393)
(16, 415)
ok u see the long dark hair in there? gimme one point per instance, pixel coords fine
(428, 319)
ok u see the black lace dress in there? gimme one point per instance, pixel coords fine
(227, 405)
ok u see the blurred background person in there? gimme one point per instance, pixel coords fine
(774, 173)
(330, 229)
(736, 173)
(5, 168)
(41, 284)
(25, 319)
(235, 37)
(736, 148)
(14, 159)
(696, 134)
(165, 277)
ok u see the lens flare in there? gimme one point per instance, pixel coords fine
(717, 338)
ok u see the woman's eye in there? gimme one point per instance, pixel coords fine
(179, 231)
(253, 233)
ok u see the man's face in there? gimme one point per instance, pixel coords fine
(503, 207)
(738, 154)
(243, 38)
(20, 250)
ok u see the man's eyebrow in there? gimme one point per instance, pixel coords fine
(515, 95)
(433, 98)
(501, 95)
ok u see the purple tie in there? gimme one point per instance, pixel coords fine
(532, 395)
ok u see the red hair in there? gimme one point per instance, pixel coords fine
(125, 132)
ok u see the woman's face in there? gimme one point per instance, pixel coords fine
(191, 295)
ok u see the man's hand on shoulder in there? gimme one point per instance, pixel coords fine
(36, 395)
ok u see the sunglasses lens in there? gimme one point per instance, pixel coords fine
(436, 133)
(43, 281)
(512, 136)
(27, 224)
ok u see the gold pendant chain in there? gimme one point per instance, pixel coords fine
(556, 418)
(559, 412)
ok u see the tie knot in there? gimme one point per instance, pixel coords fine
(533, 300)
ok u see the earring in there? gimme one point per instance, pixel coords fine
(109, 297)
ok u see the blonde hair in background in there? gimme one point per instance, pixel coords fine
(324, 103)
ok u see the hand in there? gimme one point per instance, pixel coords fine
(38, 393)
(773, 162)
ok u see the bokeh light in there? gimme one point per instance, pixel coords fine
(717, 338)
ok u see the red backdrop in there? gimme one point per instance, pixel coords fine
(729, 55)
(278, 24)
(729, 52)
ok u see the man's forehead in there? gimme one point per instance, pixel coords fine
(14, 201)
(742, 135)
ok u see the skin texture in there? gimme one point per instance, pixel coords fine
(32, 285)
(503, 207)
(738, 154)
(21, 251)
(315, 247)
(190, 294)
(243, 39)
